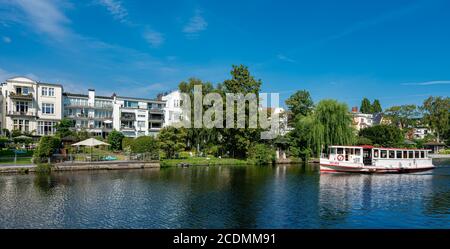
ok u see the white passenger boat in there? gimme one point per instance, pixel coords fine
(370, 159)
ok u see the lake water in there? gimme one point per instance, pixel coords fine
(291, 196)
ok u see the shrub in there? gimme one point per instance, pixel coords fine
(47, 146)
(384, 135)
(364, 141)
(144, 144)
(115, 140)
(43, 168)
(126, 143)
(261, 154)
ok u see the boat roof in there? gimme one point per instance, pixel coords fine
(373, 147)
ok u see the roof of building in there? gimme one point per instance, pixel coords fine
(434, 143)
(139, 99)
(25, 79)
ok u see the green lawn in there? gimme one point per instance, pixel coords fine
(203, 161)
(20, 160)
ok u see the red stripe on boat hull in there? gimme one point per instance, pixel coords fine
(341, 169)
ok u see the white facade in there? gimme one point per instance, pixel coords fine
(173, 112)
(30, 106)
(420, 133)
(100, 115)
(35, 108)
(361, 120)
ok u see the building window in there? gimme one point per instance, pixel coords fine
(44, 91)
(22, 106)
(51, 91)
(131, 104)
(48, 108)
(46, 128)
(21, 124)
(22, 90)
(141, 124)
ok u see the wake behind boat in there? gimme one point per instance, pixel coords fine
(370, 159)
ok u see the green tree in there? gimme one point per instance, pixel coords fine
(300, 103)
(198, 138)
(115, 140)
(172, 140)
(46, 147)
(437, 115)
(403, 115)
(329, 124)
(336, 121)
(376, 106)
(383, 135)
(366, 107)
(63, 128)
(307, 138)
(237, 141)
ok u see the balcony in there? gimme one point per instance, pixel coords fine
(128, 128)
(14, 95)
(22, 113)
(155, 120)
(103, 107)
(128, 117)
(156, 110)
(76, 106)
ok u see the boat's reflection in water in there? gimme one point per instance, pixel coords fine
(359, 198)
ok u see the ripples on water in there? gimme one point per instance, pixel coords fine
(292, 196)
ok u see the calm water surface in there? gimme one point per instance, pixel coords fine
(291, 196)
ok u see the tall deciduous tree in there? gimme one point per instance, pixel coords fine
(300, 103)
(237, 141)
(437, 114)
(366, 107)
(63, 127)
(198, 138)
(403, 115)
(376, 106)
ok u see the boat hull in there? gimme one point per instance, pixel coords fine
(327, 168)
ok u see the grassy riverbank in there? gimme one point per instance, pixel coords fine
(203, 161)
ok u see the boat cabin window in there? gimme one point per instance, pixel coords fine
(333, 151)
(340, 151)
(405, 154)
(410, 154)
(357, 152)
(383, 154)
(417, 154)
(375, 153)
(422, 154)
(391, 154)
(399, 154)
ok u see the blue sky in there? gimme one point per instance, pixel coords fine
(396, 51)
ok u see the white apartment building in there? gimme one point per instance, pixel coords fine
(36, 107)
(30, 106)
(99, 115)
(138, 116)
(361, 120)
(173, 111)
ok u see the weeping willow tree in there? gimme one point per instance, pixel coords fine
(307, 137)
(336, 121)
(330, 123)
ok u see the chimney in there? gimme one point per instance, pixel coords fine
(354, 109)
